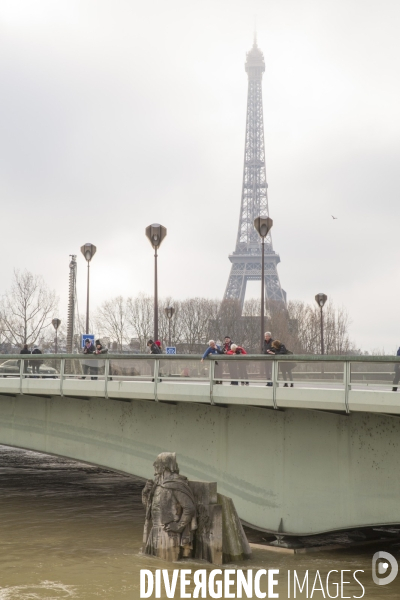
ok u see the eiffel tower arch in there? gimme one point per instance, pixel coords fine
(246, 259)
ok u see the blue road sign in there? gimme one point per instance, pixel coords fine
(170, 350)
(86, 336)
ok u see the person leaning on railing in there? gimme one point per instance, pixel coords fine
(25, 350)
(35, 364)
(99, 349)
(396, 374)
(213, 348)
(286, 367)
(239, 368)
(267, 345)
(88, 349)
(154, 348)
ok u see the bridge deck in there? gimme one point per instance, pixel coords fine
(344, 384)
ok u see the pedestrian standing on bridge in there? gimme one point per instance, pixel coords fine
(227, 344)
(25, 350)
(267, 345)
(213, 348)
(396, 374)
(286, 367)
(154, 349)
(88, 349)
(99, 349)
(35, 364)
(238, 369)
(225, 350)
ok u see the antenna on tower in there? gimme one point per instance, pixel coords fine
(71, 303)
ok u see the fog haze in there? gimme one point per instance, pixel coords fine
(114, 115)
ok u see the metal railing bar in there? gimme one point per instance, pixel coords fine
(62, 369)
(306, 358)
(106, 372)
(21, 371)
(212, 372)
(347, 380)
(274, 376)
(155, 375)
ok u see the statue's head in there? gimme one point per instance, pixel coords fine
(166, 461)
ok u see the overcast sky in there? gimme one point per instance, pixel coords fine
(117, 114)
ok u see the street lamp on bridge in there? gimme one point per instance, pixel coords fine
(169, 313)
(88, 251)
(320, 300)
(262, 225)
(56, 324)
(156, 234)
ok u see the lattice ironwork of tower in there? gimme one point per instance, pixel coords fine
(71, 304)
(246, 259)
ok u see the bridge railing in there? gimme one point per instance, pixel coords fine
(165, 377)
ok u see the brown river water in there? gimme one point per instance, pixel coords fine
(72, 530)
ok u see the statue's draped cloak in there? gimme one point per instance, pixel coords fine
(175, 504)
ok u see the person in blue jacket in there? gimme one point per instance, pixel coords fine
(396, 374)
(213, 348)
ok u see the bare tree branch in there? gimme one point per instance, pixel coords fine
(26, 309)
(112, 321)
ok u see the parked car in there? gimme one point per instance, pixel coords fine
(11, 367)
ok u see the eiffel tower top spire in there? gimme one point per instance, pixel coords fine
(246, 259)
(255, 65)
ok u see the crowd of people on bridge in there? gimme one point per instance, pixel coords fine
(237, 369)
(270, 347)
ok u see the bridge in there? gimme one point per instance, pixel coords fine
(319, 456)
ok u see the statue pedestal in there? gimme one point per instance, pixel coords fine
(219, 537)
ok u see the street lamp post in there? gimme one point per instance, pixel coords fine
(156, 233)
(169, 312)
(262, 225)
(320, 300)
(88, 251)
(56, 324)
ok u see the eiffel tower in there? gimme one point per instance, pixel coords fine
(246, 259)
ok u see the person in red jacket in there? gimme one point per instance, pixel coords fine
(235, 349)
(238, 369)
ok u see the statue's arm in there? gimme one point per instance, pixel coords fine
(188, 512)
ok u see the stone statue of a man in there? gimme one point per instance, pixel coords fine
(171, 507)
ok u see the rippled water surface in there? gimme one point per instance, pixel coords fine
(71, 530)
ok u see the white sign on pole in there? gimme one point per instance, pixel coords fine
(170, 350)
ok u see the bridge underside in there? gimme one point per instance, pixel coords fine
(315, 471)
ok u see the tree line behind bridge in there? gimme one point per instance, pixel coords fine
(126, 324)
